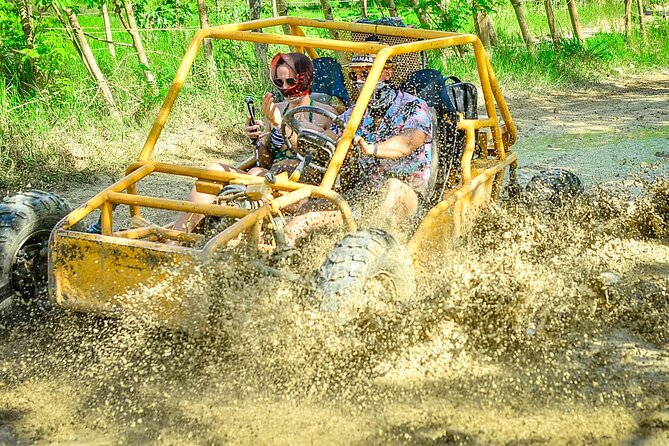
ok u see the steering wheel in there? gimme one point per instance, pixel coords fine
(313, 145)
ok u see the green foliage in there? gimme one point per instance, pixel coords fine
(455, 15)
(19, 65)
(14, 60)
(164, 13)
(68, 99)
(616, 50)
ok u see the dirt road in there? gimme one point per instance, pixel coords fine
(537, 329)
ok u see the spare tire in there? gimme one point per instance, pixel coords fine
(366, 272)
(26, 221)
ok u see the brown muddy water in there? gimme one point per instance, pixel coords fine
(538, 328)
(535, 329)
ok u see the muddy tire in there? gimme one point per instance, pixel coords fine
(366, 273)
(553, 188)
(26, 221)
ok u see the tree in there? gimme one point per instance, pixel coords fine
(73, 28)
(522, 23)
(420, 10)
(551, 23)
(26, 17)
(28, 26)
(485, 29)
(327, 13)
(628, 17)
(208, 48)
(108, 33)
(392, 9)
(260, 49)
(642, 25)
(282, 10)
(130, 25)
(575, 21)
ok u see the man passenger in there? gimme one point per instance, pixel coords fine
(395, 140)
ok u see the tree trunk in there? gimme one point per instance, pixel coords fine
(555, 36)
(485, 30)
(642, 25)
(89, 58)
(208, 48)
(26, 16)
(628, 17)
(108, 33)
(575, 21)
(327, 13)
(363, 8)
(392, 9)
(282, 10)
(130, 26)
(260, 49)
(420, 12)
(70, 34)
(522, 23)
(28, 26)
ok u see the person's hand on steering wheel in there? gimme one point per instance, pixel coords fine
(318, 145)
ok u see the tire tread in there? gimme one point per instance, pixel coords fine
(360, 256)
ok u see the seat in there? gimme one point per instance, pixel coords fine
(329, 82)
(429, 85)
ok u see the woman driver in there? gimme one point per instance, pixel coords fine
(292, 74)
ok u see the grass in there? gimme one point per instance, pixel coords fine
(64, 133)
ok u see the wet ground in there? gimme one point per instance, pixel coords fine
(537, 328)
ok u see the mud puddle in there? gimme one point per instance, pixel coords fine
(598, 157)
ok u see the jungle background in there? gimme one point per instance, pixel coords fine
(81, 82)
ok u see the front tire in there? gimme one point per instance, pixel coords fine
(26, 221)
(366, 272)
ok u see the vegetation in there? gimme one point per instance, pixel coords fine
(58, 123)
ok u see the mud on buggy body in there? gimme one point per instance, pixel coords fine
(102, 272)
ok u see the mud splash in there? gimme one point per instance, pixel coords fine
(538, 328)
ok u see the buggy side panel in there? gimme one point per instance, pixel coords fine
(115, 276)
(457, 211)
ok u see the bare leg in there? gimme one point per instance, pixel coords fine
(257, 171)
(400, 203)
(186, 221)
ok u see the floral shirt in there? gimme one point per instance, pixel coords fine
(406, 112)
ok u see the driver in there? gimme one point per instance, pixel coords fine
(292, 74)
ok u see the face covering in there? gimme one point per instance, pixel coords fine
(304, 73)
(382, 97)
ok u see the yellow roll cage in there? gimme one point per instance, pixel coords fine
(78, 260)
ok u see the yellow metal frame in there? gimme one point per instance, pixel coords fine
(479, 181)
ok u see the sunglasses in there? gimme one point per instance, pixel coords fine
(353, 75)
(285, 83)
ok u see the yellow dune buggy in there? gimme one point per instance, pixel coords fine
(104, 273)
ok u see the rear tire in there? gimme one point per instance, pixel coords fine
(26, 221)
(366, 272)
